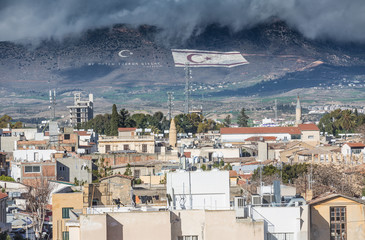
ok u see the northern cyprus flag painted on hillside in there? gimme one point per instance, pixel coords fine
(197, 58)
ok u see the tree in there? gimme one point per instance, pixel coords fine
(4, 236)
(332, 178)
(347, 120)
(100, 124)
(227, 121)
(340, 121)
(5, 121)
(128, 171)
(103, 170)
(141, 120)
(17, 125)
(227, 167)
(6, 178)
(37, 198)
(203, 167)
(114, 122)
(125, 119)
(242, 118)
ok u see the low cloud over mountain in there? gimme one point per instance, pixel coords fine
(179, 19)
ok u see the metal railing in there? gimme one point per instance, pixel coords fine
(280, 236)
(126, 137)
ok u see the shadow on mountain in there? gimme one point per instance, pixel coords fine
(323, 76)
(85, 73)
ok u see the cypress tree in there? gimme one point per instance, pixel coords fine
(114, 121)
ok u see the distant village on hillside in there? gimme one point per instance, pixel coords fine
(182, 176)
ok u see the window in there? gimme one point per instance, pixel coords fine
(311, 137)
(67, 137)
(144, 148)
(125, 147)
(32, 169)
(65, 235)
(295, 136)
(338, 223)
(137, 173)
(107, 148)
(191, 237)
(356, 151)
(66, 212)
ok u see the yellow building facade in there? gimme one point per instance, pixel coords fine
(337, 217)
(62, 203)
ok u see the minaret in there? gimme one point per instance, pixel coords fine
(298, 113)
(172, 134)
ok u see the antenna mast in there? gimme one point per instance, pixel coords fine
(170, 104)
(276, 110)
(52, 101)
(187, 87)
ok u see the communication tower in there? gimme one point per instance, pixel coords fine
(52, 101)
(187, 87)
(170, 104)
(276, 110)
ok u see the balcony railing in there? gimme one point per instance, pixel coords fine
(121, 138)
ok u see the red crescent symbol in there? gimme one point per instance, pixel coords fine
(190, 58)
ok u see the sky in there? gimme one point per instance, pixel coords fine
(339, 20)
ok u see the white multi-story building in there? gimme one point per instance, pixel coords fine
(82, 110)
(199, 190)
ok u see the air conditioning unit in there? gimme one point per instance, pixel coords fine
(267, 198)
(240, 207)
(256, 200)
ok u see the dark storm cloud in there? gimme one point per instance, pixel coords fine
(341, 20)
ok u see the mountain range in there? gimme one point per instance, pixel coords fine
(134, 67)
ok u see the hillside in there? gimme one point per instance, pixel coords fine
(281, 61)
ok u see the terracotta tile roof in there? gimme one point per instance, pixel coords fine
(308, 127)
(126, 129)
(256, 139)
(3, 195)
(187, 154)
(358, 144)
(233, 173)
(261, 130)
(245, 176)
(82, 133)
(33, 142)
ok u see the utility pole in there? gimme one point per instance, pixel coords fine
(187, 87)
(170, 104)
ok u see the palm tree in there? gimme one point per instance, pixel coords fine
(347, 121)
